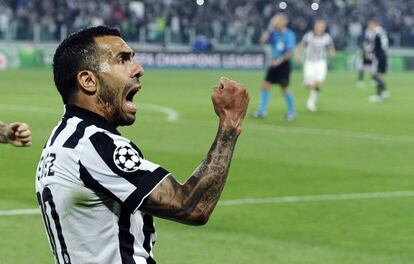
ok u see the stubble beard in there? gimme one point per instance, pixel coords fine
(108, 98)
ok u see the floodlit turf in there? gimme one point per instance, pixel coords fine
(349, 146)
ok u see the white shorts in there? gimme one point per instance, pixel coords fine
(314, 71)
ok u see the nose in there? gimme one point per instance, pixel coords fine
(137, 70)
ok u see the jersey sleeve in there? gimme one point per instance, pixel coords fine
(116, 167)
(290, 42)
(272, 38)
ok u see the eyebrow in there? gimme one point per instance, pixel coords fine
(125, 53)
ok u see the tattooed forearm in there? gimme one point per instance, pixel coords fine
(3, 133)
(194, 201)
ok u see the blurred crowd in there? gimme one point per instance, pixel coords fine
(239, 23)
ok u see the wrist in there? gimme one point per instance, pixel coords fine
(230, 126)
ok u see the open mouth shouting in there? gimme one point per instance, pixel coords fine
(129, 105)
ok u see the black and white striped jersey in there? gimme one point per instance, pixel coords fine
(90, 183)
(316, 46)
(379, 42)
(367, 47)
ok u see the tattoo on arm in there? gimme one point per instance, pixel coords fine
(194, 201)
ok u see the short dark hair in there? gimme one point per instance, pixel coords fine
(77, 52)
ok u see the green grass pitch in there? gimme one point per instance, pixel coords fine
(349, 146)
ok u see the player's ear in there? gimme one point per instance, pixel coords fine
(87, 81)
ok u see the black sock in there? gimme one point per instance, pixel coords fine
(380, 85)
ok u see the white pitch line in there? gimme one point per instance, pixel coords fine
(332, 132)
(317, 198)
(171, 114)
(269, 200)
(312, 131)
(15, 212)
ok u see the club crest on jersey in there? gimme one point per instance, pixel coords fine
(126, 158)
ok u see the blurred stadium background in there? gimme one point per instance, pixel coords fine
(335, 186)
(198, 26)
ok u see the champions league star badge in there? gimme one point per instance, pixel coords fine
(126, 158)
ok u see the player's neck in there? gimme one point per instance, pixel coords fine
(94, 107)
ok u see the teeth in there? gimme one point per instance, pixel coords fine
(130, 106)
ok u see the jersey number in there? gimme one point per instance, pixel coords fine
(45, 199)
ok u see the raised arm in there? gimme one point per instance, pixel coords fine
(194, 201)
(264, 39)
(17, 134)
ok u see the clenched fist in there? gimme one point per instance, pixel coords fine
(18, 134)
(230, 100)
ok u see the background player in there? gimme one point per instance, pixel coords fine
(365, 62)
(16, 134)
(282, 43)
(96, 191)
(315, 66)
(379, 42)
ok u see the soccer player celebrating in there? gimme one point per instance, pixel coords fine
(16, 134)
(97, 192)
(379, 42)
(282, 43)
(315, 66)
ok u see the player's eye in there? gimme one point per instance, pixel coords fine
(124, 59)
